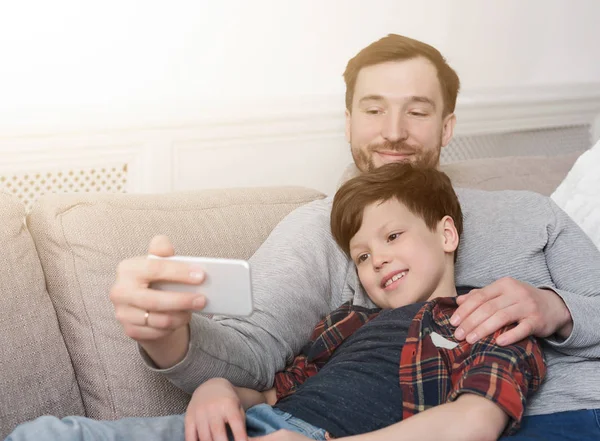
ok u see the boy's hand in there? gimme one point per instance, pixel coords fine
(214, 405)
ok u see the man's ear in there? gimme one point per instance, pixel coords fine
(449, 234)
(448, 129)
(348, 126)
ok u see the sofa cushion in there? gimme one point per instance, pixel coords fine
(81, 239)
(36, 375)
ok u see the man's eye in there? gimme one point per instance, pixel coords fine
(393, 236)
(417, 113)
(373, 111)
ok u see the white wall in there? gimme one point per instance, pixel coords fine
(71, 65)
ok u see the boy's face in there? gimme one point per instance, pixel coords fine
(399, 260)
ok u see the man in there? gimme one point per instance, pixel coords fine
(537, 268)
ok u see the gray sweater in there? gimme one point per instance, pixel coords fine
(299, 275)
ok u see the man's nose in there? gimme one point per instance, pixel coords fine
(394, 127)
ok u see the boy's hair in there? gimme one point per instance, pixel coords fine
(399, 48)
(425, 192)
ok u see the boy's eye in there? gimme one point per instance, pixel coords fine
(362, 258)
(393, 236)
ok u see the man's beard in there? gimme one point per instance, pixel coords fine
(363, 158)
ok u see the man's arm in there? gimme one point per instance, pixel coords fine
(566, 312)
(574, 264)
(294, 274)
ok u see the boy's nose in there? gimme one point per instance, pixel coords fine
(380, 261)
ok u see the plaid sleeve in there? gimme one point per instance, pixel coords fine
(505, 375)
(325, 338)
(288, 380)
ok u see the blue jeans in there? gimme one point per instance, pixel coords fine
(581, 425)
(578, 425)
(260, 420)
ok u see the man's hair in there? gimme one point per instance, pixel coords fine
(425, 192)
(399, 48)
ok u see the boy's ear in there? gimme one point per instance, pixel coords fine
(449, 234)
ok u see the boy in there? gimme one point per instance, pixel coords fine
(369, 368)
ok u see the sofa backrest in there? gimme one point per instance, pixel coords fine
(36, 375)
(81, 238)
(541, 174)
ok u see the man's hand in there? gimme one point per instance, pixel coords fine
(538, 312)
(158, 320)
(214, 405)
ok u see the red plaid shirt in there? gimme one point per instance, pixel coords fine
(431, 375)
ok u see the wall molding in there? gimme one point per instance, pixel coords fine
(506, 110)
(276, 142)
(480, 111)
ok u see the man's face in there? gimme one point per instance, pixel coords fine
(397, 115)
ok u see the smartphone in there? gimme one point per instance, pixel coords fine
(227, 285)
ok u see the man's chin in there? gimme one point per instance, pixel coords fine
(389, 159)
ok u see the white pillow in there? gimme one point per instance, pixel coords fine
(579, 193)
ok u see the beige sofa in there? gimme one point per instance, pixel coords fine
(62, 351)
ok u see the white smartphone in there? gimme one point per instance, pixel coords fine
(227, 285)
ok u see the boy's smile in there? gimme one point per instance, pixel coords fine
(388, 283)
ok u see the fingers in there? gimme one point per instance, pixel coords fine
(204, 431)
(191, 433)
(237, 424)
(218, 431)
(519, 332)
(470, 302)
(196, 430)
(161, 246)
(501, 318)
(482, 312)
(147, 299)
(143, 270)
(137, 316)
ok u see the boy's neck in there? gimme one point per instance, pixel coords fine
(447, 285)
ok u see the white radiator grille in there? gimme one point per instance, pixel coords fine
(549, 142)
(29, 186)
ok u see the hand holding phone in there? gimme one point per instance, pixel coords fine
(227, 286)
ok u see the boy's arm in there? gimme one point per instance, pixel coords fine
(251, 397)
(504, 375)
(468, 418)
